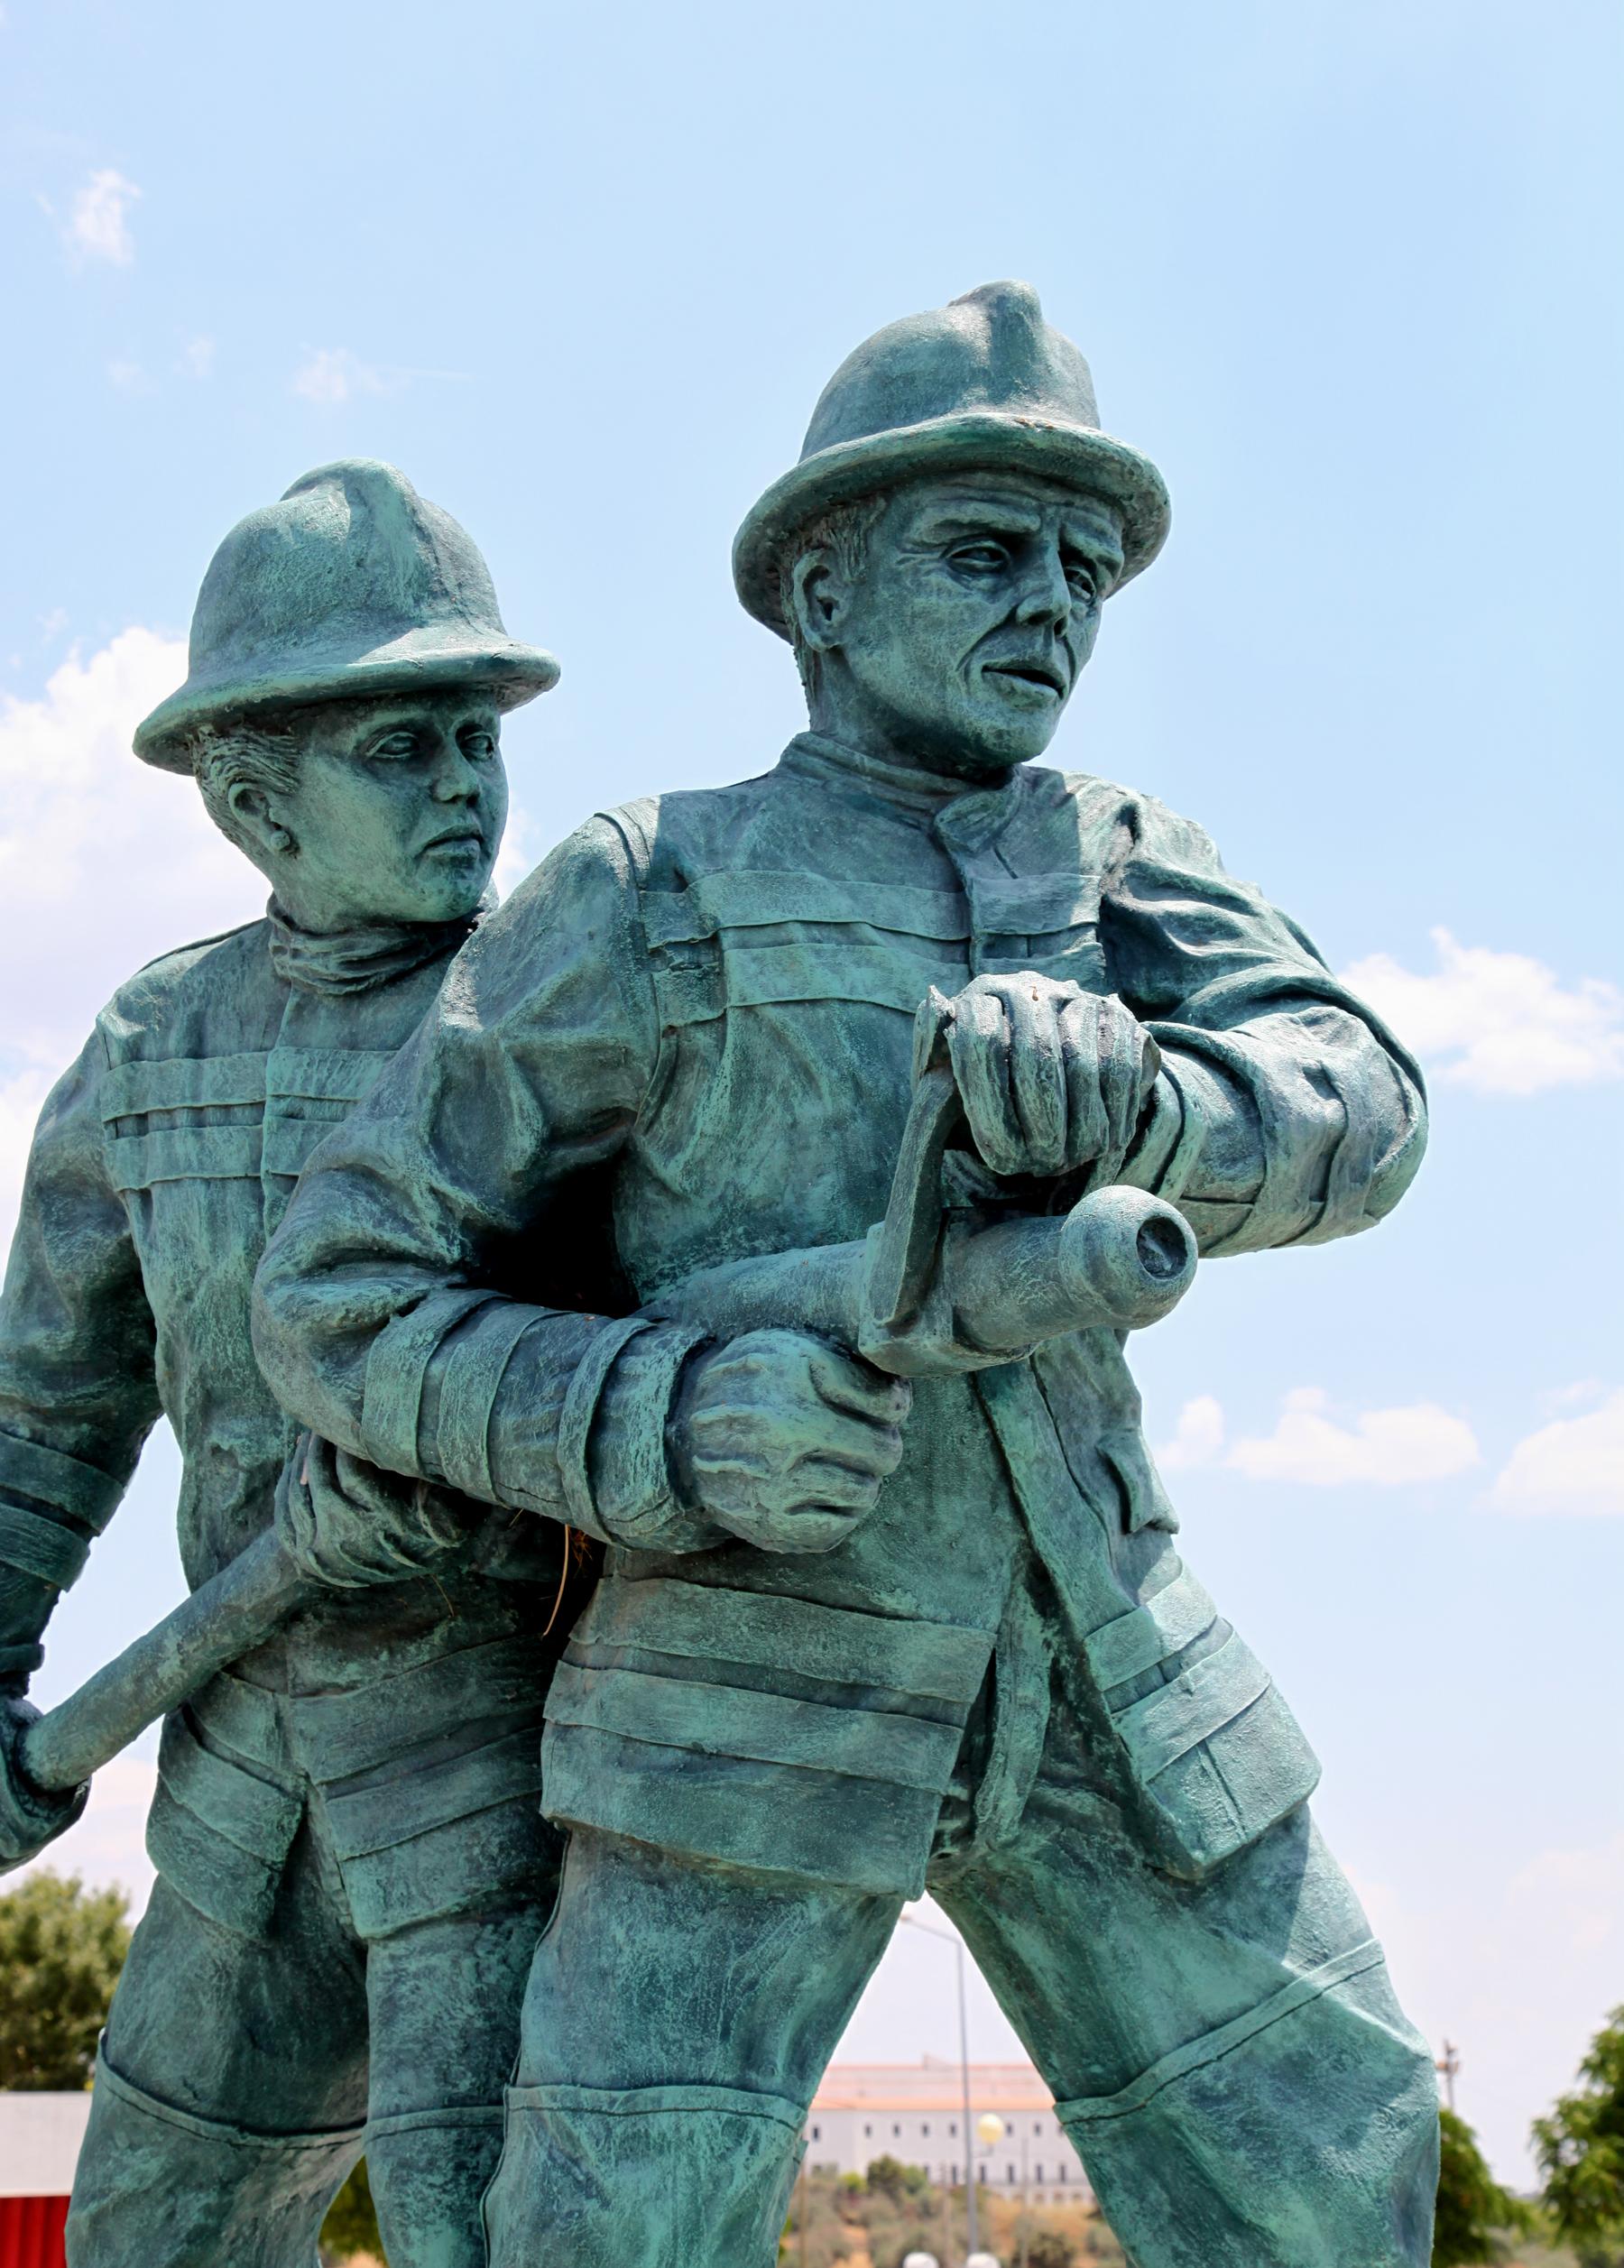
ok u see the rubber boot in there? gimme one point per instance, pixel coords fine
(160, 2188)
(430, 2170)
(1306, 2130)
(642, 2179)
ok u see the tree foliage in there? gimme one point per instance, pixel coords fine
(61, 1949)
(351, 2226)
(1472, 2205)
(1580, 2146)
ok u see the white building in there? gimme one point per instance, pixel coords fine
(915, 2112)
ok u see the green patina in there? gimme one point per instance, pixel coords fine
(870, 1626)
(346, 1827)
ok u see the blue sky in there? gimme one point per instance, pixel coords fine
(1350, 276)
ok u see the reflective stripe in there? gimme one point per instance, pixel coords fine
(1199, 1702)
(1084, 2109)
(1032, 905)
(325, 1074)
(256, 1816)
(885, 976)
(35, 1470)
(394, 1391)
(842, 1645)
(366, 1726)
(1161, 1625)
(185, 1152)
(422, 1797)
(474, 1364)
(730, 1720)
(746, 899)
(41, 1546)
(181, 1083)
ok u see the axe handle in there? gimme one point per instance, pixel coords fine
(226, 1617)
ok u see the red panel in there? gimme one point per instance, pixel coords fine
(31, 2232)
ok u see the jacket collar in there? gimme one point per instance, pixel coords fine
(359, 960)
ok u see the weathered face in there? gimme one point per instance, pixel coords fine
(976, 608)
(398, 812)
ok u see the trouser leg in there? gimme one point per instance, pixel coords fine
(232, 2089)
(1227, 2056)
(677, 2018)
(445, 1997)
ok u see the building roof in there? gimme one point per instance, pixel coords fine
(931, 2084)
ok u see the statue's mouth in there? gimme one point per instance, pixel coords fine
(1042, 675)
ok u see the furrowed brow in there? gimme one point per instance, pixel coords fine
(982, 519)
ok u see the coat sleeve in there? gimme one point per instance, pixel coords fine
(79, 1390)
(441, 1296)
(1287, 1113)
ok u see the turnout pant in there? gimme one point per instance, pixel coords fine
(241, 2077)
(1227, 2055)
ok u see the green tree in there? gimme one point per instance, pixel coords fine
(351, 2226)
(1046, 2248)
(1580, 2146)
(1472, 2203)
(889, 2177)
(61, 1948)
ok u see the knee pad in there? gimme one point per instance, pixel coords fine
(1306, 2129)
(643, 2178)
(160, 2188)
(430, 2170)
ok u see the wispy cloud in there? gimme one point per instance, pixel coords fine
(334, 374)
(126, 376)
(106, 861)
(99, 220)
(1499, 1023)
(197, 357)
(1573, 1465)
(1386, 1448)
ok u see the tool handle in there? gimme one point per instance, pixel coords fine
(226, 1617)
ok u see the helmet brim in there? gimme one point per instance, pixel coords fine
(420, 661)
(977, 440)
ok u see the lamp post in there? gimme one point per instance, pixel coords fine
(971, 2230)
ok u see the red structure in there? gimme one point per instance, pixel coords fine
(31, 2232)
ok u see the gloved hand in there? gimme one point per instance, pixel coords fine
(783, 1440)
(346, 1522)
(30, 1818)
(1052, 1078)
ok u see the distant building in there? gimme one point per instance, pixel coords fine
(915, 2112)
(40, 2138)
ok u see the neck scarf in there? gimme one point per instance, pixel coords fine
(340, 961)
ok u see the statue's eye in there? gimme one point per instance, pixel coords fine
(981, 558)
(1081, 582)
(393, 747)
(478, 747)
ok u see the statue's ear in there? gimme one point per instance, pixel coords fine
(256, 813)
(817, 598)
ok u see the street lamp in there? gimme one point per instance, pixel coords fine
(947, 1937)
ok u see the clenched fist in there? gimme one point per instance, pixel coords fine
(1052, 1078)
(346, 1523)
(784, 1441)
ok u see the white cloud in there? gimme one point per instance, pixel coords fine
(104, 864)
(1383, 1447)
(1197, 1439)
(196, 358)
(1499, 1023)
(1575, 1465)
(127, 377)
(332, 374)
(98, 223)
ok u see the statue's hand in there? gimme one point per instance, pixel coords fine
(1052, 1078)
(30, 1816)
(784, 1441)
(346, 1523)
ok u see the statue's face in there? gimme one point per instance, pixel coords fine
(977, 609)
(399, 810)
